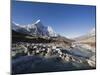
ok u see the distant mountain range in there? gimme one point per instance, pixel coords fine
(36, 28)
(90, 34)
(88, 38)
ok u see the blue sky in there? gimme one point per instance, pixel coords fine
(67, 20)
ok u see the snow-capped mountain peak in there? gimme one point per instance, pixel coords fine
(51, 31)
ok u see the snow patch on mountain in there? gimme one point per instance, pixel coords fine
(37, 21)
